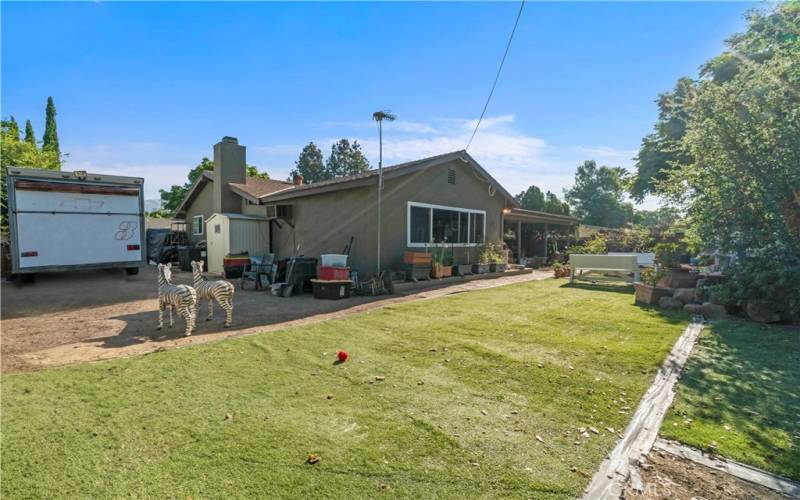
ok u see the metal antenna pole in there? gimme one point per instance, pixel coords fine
(379, 116)
(380, 187)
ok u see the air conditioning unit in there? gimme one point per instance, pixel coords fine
(283, 212)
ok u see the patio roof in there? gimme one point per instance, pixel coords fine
(522, 215)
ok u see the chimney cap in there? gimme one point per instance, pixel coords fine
(230, 140)
(297, 180)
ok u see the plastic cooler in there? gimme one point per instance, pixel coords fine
(330, 273)
(333, 260)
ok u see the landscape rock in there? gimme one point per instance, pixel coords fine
(712, 311)
(761, 313)
(685, 295)
(693, 308)
(670, 303)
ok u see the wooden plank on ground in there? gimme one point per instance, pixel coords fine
(641, 433)
(742, 471)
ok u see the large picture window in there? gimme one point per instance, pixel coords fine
(434, 224)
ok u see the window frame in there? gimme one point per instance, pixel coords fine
(202, 225)
(430, 206)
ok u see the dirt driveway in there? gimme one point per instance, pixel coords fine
(75, 317)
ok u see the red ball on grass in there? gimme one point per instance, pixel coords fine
(342, 356)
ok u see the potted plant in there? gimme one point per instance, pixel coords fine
(668, 255)
(462, 269)
(482, 266)
(560, 270)
(441, 262)
(647, 290)
(495, 256)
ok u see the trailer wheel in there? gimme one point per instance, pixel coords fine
(27, 277)
(130, 271)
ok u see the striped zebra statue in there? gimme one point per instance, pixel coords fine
(181, 297)
(221, 291)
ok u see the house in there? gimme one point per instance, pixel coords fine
(446, 199)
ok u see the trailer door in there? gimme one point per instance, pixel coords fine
(70, 224)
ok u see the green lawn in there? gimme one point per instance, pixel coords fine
(469, 382)
(740, 396)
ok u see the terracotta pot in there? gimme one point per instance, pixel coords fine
(447, 271)
(648, 294)
(437, 270)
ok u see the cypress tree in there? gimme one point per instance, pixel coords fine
(29, 136)
(50, 139)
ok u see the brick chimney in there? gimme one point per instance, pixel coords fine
(230, 165)
(297, 179)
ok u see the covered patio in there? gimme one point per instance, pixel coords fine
(533, 236)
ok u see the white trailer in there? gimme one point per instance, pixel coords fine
(62, 221)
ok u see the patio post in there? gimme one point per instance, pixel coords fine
(545, 242)
(519, 242)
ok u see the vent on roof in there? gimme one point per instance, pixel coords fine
(451, 175)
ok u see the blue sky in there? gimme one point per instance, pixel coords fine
(146, 89)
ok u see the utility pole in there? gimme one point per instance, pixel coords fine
(379, 116)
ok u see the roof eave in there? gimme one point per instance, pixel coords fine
(192, 194)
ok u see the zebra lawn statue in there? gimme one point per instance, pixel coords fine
(181, 297)
(221, 291)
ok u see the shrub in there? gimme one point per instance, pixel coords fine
(769, 279)
(651, 277)
(667, 254)
(491, 252)
(597, 245)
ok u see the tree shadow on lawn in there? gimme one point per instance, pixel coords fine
(747, 376)
(259, 309)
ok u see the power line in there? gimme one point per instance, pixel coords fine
(502, 61)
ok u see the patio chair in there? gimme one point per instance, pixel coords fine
(260, 265)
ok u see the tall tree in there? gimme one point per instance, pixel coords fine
(252, 171)
(555, 206)
(50, 139)
(531, 199)
(663, 150)
(310, 165)
(346, 159)
(742, 185)
(21, 154)
(29, 135)
(597, 195)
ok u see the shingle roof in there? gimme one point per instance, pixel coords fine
(252, 189)
(256, 187)
(292, 191)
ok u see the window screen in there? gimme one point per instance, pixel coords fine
(476, 228)
(197, 224)
(420, 225)
(445, 226)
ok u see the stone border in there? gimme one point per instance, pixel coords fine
(640, 435)
(742, 471)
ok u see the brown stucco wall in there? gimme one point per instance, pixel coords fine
(324, 223)
(202, 205)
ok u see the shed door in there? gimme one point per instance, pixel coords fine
(216, 237)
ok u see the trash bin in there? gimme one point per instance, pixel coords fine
(186, 254)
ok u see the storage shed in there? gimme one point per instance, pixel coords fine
(235, 234)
